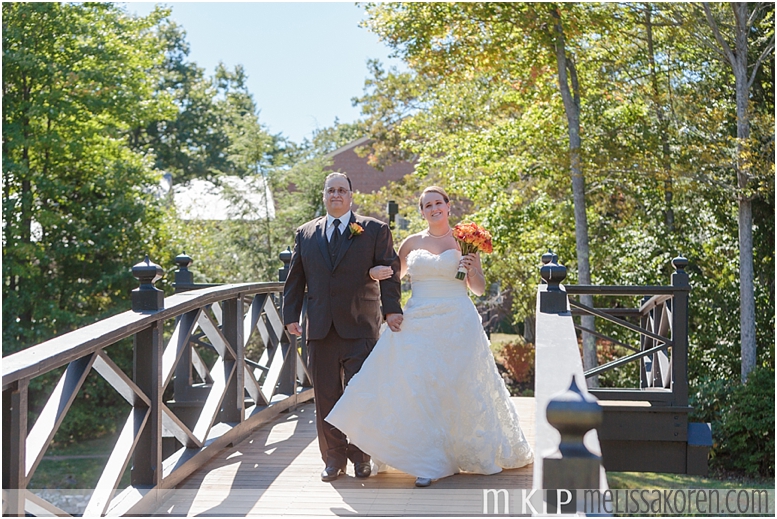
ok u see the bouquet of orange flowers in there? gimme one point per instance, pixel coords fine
(471, 238)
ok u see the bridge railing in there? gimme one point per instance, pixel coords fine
(662, 350)
(163, 440)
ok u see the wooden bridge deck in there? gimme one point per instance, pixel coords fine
(276, 472)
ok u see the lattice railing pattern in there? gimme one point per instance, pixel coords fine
(215, 402)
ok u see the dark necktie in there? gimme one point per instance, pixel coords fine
(334, 241)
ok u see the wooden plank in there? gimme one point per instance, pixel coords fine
(216, 309)
(273, 317)
(215, 336)
(276, 471)
(177, 344)
(276, 365)
(653, 302)
(71, 346)
(117, 463)
(134, 501)
(119, 380)
(253, 387)
(39, 507)
(667, 423)
(656, 395)
(623, 360)
(54, 411)
(212, 404)
(618, 290)
(252, 316)
(201, 368)
(178, 429)
(620, 322)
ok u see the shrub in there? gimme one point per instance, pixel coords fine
(518, 358)
(626, 375)
(745, 435)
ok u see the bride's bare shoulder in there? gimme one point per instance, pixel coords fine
(412, 242)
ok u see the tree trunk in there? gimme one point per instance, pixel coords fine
(663, 124)
(572, 108)
(746, 276)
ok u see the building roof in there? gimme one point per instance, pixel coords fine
(234, 198)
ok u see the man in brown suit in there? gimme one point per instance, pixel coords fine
(332, 257)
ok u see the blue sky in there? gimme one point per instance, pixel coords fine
(304, 61)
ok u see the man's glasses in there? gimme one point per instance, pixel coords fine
(339, 191)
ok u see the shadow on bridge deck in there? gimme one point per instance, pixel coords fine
(276, 472)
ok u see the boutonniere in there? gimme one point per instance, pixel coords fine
(356, 229)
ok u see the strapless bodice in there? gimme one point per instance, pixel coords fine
(434, 275)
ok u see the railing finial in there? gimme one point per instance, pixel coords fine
(285, 257)
(573, 414)
(554, 299)
(147, 298)
(680, 276)
(183, 276)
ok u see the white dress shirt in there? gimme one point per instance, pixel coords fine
(330, 224)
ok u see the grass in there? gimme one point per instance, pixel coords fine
(75, 470)
(651, 503)
(640, 480)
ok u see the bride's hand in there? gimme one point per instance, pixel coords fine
(471, 262)
(380, 272)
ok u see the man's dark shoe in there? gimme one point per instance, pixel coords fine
(331, 473)
(362, 470)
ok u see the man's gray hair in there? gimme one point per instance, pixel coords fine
(336, 174)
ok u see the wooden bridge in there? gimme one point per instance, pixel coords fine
(219, 419)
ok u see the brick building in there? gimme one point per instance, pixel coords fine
(365, 178)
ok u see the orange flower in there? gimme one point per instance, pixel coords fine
(356, 229)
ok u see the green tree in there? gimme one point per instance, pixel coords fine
(76, 79)
(729, 42)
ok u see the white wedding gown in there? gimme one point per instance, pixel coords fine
(429, 400)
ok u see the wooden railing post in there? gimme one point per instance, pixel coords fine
(680, 332)
(287, 381)
(147, 373)
(233, 407)
(14, 442)
(644, 320)
(573, 414)
(183, 276)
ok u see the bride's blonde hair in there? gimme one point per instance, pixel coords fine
(432, 189)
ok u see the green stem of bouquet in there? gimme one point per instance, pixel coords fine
(466, 248)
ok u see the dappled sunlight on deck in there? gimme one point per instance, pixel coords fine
(277, 472)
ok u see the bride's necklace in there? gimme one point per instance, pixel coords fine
(440, 236)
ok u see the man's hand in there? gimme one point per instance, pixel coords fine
(394, 322)
(381, 272)
(294, 328)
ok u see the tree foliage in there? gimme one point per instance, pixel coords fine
(481, 110)
(76, 79)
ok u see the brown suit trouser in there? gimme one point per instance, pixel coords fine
(333, 361)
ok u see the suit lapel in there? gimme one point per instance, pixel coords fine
(346, 241)
(322, 243)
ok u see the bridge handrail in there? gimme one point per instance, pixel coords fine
(624, 290)
(663, 324)
(166, 440)
(59, 351)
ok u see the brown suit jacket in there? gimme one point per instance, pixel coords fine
(342, 293)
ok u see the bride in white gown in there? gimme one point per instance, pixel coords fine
(429, 400)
